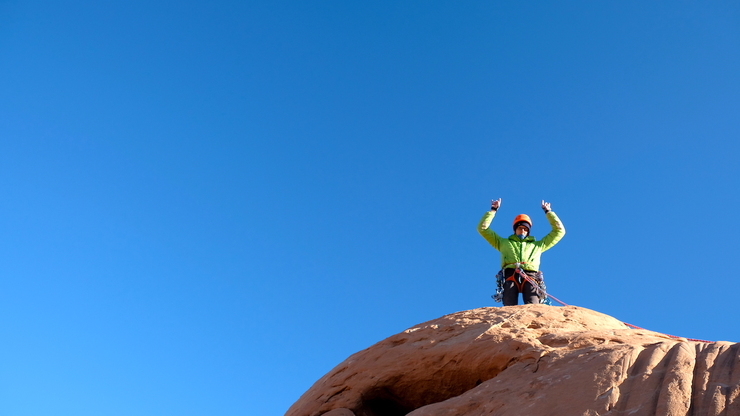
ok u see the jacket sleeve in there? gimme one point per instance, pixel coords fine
(558, 231)
(486, 232)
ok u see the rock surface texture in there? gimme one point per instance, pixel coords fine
(530, 360)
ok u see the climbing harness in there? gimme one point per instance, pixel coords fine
(538, 282)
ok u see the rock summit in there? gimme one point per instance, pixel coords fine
(530, 360)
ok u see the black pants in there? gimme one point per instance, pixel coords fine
(511, 290)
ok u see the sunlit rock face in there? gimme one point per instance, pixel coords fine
(530, 360)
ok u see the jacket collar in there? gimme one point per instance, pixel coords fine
(528, 238)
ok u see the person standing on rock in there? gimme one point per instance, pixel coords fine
(521, 251)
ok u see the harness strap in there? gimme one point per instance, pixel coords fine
(519, 285)
(519, 281)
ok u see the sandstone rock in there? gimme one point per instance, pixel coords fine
(530, 360)
(342, 411)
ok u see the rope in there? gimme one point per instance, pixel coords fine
(668, 335)
(540, 292)
(537, 287)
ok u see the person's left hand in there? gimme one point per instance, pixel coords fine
(546, 206)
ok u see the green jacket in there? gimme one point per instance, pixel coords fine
(527, 251)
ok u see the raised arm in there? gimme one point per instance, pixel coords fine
(558, 230)
(485, 222)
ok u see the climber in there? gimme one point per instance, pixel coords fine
(521, 251)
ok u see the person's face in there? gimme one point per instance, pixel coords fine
(522, 230)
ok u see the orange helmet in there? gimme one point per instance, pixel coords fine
(522, 218)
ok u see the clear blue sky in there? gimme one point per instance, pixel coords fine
(208, 205)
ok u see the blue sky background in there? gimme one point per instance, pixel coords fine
(208, 205)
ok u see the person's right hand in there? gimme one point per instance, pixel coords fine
(495, 204)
